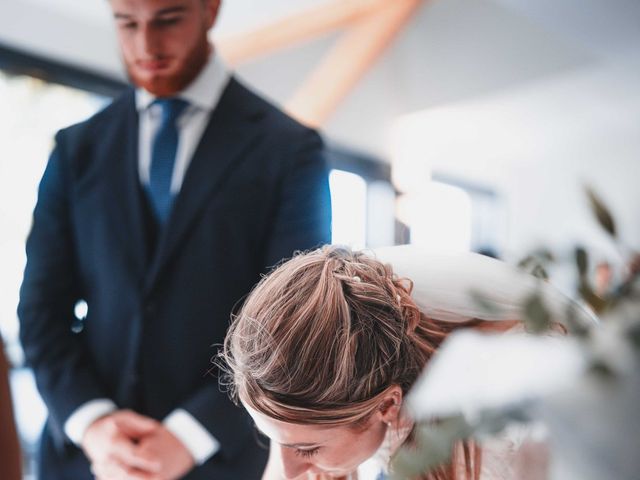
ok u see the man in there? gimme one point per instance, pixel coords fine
(160, 212)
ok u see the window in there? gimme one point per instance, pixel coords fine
(33, 110)
(363, 199)
(439, 217)
(450, 216)
(349, 208)
(363, 212)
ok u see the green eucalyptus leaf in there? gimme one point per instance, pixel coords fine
(601, 212)
(600, 369)
(596, 302)
(634, 336)
(540, 272)
(454, 428)
(537, 317)
(535, 263)
(409, 462)
(489, 307)
(525, 262)
(582, 261)
(433, 446)
(544, 255)
(574, 325)
(435, 440)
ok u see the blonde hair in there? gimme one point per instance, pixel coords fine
(323, 337)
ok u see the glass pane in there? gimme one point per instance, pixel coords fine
(349, 209)
(381, 214)
(32, 112)
(439, 217)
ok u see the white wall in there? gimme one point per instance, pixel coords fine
(63, 34)
(529, 98)
(539, 145)
(80, 32)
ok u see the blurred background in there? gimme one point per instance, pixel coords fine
(455, 124)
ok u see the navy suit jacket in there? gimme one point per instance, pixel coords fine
(160, 301)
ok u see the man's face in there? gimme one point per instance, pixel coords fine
(164, 42)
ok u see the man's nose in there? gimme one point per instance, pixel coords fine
(292, 465)
(148, 41)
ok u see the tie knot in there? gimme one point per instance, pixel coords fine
(171, 108)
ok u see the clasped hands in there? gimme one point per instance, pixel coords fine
(125, 445)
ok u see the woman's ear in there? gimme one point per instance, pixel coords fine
(391, 404)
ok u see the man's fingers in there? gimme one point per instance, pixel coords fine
(107, 471)
(133, 424)
(117, 471)
(136, 474)
(127, 453)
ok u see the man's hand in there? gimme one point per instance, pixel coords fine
(162, 446)
(112, 444)
(129, 446)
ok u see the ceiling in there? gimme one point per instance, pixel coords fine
(450, 53)
(498, 92)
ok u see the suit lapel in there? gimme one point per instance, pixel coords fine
(124, 207)
(231, 131)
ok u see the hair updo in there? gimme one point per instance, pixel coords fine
(322, 337)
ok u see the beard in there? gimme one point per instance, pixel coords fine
(165, 85)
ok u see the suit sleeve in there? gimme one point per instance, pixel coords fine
(303, 213)
(228, 424)
(48, 295)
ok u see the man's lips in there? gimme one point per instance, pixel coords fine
(153, 65)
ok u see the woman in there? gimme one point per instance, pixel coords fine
(327, 346)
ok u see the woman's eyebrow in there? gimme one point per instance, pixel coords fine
(289, 445)
(300, 445)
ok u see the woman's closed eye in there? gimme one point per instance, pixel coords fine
(306, 453)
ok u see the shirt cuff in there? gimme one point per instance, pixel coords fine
(200, 443)
(85, 415)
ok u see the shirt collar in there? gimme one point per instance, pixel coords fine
(204, 91)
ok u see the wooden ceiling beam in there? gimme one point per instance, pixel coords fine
(348, 61)
(296, 28)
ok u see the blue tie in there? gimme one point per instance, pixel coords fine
(163, 157)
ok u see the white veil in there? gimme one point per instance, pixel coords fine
(444, 286)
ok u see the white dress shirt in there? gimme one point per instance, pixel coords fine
(203, 94)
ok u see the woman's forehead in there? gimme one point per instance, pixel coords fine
(290, 434)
